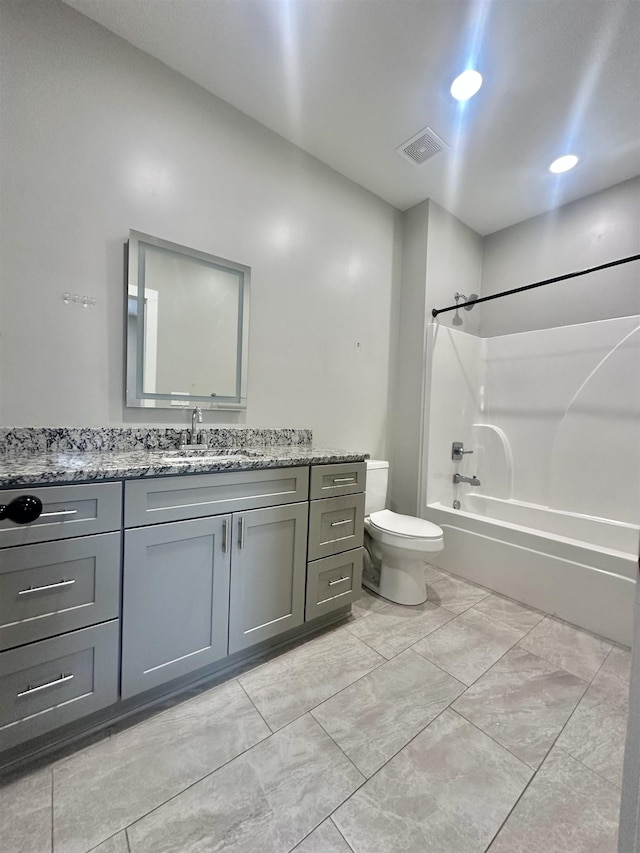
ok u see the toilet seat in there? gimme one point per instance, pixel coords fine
(404, 531)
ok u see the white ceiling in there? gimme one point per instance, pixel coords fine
(350, 80)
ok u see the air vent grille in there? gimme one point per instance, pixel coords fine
(422, 147)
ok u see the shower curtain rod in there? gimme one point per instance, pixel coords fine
(470, 302)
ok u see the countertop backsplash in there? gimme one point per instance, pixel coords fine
(118, 439)
(35, 455)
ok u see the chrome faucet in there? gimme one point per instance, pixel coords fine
(473, 481)
(458, 451)
(196, 418)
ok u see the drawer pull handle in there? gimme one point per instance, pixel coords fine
(225, 525)
(338, 580)
(58, 513)
(22, 510)
(53, 683)
(241, 532)
(338, 523)
(344, 479)
(48, 586)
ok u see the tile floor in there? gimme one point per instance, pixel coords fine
(470, 723)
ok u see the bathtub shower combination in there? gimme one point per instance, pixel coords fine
(548, 502)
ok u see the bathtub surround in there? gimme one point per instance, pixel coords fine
(546, 392)
(546, 414)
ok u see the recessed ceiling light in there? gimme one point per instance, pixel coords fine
(563, 164)
(466, 85)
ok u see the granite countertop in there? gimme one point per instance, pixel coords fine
(22, 468)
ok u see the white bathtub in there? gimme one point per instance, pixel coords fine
(580, 568)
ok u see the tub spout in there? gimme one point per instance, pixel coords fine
(472, 481)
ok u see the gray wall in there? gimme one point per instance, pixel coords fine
(404, 474)
(592, 231)
(454, 264)
(440, 256)
(98, 138)
(629, 836)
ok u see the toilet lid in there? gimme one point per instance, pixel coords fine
(404, 525)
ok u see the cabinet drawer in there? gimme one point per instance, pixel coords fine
(333, 582)
(159, 499)
(67, 511)
(343, 478)
(48, 684)
(335, 525)
(58, 586)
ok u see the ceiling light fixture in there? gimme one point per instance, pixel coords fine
(563, 164)
(466, 85)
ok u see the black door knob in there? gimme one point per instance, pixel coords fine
(22, 510)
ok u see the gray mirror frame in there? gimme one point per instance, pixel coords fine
(134, 349)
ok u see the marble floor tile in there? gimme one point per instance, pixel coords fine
(456, 594)
(289, 686)
(374, 718)
(432, 574)
(618, 662)
(394, 628)
(107, 786)
(448, 791)
(25, 814)
(509, 612)
(267, 799)
(596, 733)
(570, 648)
(116, 844)
(522, 702)
(567, 808)
(366, 604)
(324, 839)
(468, 645)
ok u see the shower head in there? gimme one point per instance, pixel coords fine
(470, 298)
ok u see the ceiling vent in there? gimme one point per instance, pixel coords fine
(422, 147)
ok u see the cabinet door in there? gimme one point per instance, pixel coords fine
(268, 573)
(175, 600)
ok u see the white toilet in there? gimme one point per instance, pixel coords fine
(396, 545)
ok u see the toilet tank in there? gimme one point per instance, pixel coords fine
(377, 477)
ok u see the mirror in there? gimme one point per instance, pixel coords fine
(187, 327)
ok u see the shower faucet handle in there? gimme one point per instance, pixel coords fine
(458, 451)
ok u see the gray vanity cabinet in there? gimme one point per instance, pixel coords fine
(223, 569)
(268, 569)
(336, 530)
(175, 600)
(59, 609)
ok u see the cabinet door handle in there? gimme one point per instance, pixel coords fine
(339, 580)
(225, 526)
(58, 513)
(338, 523)
(48, 586)
(53, 683)
(344, 479)
(241, 532)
